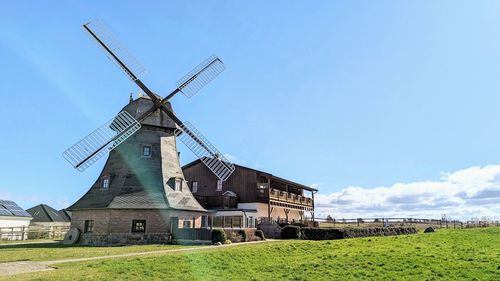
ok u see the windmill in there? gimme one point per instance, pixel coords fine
(110, 135)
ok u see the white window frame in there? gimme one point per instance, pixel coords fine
(106, 181)
(194, 186)
(150, 151)
(219, 185)
(178, 185)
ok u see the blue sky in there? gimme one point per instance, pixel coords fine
(334, 94)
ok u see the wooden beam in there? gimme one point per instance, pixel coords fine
(269, 198)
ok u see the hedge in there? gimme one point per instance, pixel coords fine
(260, 234)
(290, 232)
(310, 233)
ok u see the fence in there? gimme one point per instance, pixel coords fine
(33, 232)
(417, 222)
(192, 234)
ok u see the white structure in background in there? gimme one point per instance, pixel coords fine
(14, 221)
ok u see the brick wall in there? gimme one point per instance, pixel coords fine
(120, 220)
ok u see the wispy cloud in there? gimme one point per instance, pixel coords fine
(316, 185)
(466, 193)
(234, 159)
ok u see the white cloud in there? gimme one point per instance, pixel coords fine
(234, 159)
(316, 185)
(471, 192)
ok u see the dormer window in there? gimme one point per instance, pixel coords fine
(194, 186)
(178, 185)
(105, 182)
(146, 151)
(219, 185)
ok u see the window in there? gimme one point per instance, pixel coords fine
(250, 222)
(178, 185)
(139, 226)
(105, 182)
(218, 221)
(146, 151)
(219, 185)
(227, 222)
(194, 186)
(186, 224)
(236, 221)
(89, 226)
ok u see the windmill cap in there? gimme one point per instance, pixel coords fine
(139, 106)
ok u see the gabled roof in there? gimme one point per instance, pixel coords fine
(230, 194)
(196, 162)
(65, 214)
(11, 209)
(45, 213)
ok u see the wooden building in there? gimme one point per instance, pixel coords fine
(248, 195)
(141, 194)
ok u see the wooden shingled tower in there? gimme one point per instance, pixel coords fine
(141, 181)
(141, 195)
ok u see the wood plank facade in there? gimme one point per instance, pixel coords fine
(273, 198)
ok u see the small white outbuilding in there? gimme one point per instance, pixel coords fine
(14, 221)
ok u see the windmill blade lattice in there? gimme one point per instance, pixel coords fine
(102, 140)
(115, 50)
(203, 74)
(205, 151)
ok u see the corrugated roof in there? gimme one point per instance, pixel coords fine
(45, 213)
(11, 209)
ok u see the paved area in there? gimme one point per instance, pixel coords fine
(13, 268)
(31, 242)
(18, 267)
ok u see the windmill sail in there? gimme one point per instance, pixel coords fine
(114, 50)
(203, 74)
(104, 139)
(205, 151)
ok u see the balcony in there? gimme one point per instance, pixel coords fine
(288, 197)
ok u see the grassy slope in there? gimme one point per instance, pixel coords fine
(472, 254)
(51, 251)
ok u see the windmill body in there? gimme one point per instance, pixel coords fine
(141, 194)
(142, 183)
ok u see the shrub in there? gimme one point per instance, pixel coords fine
(218, 235)
(340, 233)
(321, 233)
(290, 232)
(233, 235)
(260, 234)
(243, 235)
(228, 242)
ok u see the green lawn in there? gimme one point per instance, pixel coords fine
(54, 251)
(469, 254)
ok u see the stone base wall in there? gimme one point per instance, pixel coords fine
(114, 226)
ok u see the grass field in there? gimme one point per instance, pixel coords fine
(468, 254)
(51, 251)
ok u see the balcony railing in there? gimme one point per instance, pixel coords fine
(289, 197)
